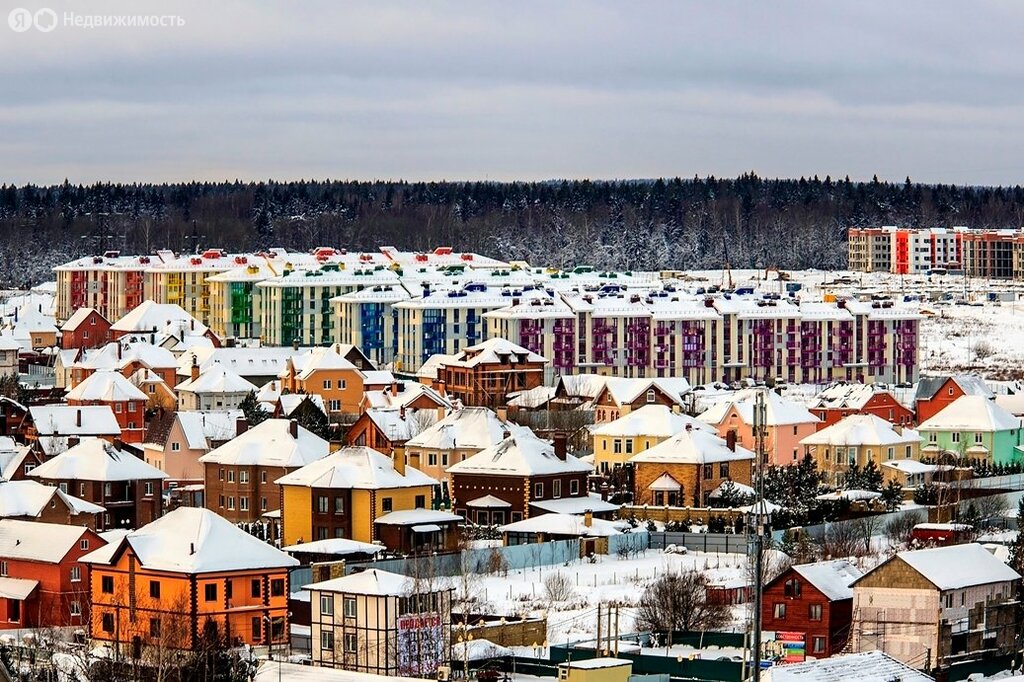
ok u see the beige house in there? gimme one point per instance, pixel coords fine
(192, 435)
(931, 607)
(643, 428)
(859, 439)
(381, 623)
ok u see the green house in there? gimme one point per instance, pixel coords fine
(973, 427)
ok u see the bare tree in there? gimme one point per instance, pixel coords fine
(866, 527)
(898, 531)
(558, 587)
(840, 540)
(679, 603)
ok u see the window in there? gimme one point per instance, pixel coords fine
(723, 470)
(891, 453)
(909, 450)
(326, 604)
(350, 643)
(349, 606)
(117, 408)
(792, 588)
(263, 477)
(651, 396)
(617, 446)
(339, 505)
(243, 503)
(229, 589)
(709, 471)
(779, 611)
(263, 504)
(83, 544)
(175, 446)
(933, 437)
(231, 502)
(256, 629)
(955, 436)
(243, 476)
(3, 568)
(76, 574)
(148, 489)
(421, 501)
(574, 487)
(538, 491)
(154, 628)
(106, 489)
(818, 645)
(76, 608)
(327, 640)
(444, 459)
(629, 446)
(334, 406)
(220, 474)
(814, 611)
(979, 437)
(386, 504)
(255, 589)
(107, 584)
(221, 501)
(231, 475)
(210, 592)
(556, 488)
(107, 622)
(327, 384)
(154, 589)
(431, 459)
(277, 587)
(948, 600)
(131, 407)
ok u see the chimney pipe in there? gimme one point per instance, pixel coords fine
(118, 349)
(118, 443)
(394, 388)
(604, 491)
(78, 417)
(293, 428)
(588, 518)
(561, 445)
(295, 344)
(401, 412)
(730, 439)
(241, 426)
(195, 367)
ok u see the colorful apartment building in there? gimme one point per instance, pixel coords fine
(111, 284)
(162, 584)
(182, 281)
(367, 319)
(989, 254)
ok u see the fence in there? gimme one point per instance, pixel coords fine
(629, 543)
(718, 543)
(646, 664)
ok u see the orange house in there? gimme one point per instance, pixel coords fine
(170, 581)
(329, 373)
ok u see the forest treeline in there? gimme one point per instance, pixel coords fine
(640, 224)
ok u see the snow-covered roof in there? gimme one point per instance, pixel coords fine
(118, 354)
(862, 429)
(149, 316)
(495, 350)
(591, 502)
(193, 540)
(409, 517)
(94, 459)
(522, 454)
(957, 566)
(911, 466)
(270, 443)
(778, 410)
(870, 666)
(431, 366)
(852, 495)
(831, 578)
(322, 358)
(844, 396)
(488, 502)
(971, 413)
(69, 420)
(31, 498)
(35, 541)
(532, 398)
(372, 582)
(289, 402)
(625, 390)
(469, 428)
(276, 671)
(567, 525)
(77, 318)
(356, 467)
(581, 385)
(203, 428)
(336, 546)
(479, 650)
(657, 421)
(264, 361)
(740, 489)
(399, 426)
(692, 446)
(970, 384)
(407, 393)
(106, 386)
(216, 379)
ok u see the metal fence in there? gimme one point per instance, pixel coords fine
(629, 543)
(717, 543)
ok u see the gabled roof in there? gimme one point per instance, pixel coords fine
(118, 354)
(778, 410)
(338, 546)
(585, 386)
(216, 379)
(469, 428)
(870, 666)
(31, 498)
(407, 393)
(203, 428)
(399, 427)
(356, 467)
(657, 421)
(832, 578)
(149, 316)
(430, 367)
(692, 446)
(270, 443)
(862, 429)
(290, 402)
(371, 582)
(520, 455)
(844, 397)
(94, 459)
(106, 386)
(63, 420)
(493, 351)
(971, 413)
(327, 358)
(193, 540)
(263, 361)
(78, 318)
(35, 541)
(565, 524)
(970, 384)
(955, 567)
(625, 391)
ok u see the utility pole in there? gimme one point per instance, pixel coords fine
(757, 528)
(598, 646)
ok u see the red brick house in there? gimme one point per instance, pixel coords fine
(87, 328)
(41, 579)
(484, 374)
(126, 401)
(501, 484)
(815, 600)
(841, 400)
(936, 393)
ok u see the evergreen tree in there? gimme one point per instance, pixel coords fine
(871, 477)
(310, 417)
(1017, 548)
(253, 411)
(892, 496)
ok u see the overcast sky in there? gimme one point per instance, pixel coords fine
(518, 90)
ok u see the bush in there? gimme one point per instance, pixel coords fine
(558, 587)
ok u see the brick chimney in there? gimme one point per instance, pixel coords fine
(588, 518)
(394, 388)
(293, 428)
(604, 491)
(398, 460)
(561, 445)
(730, 439)
(241, 426)
(195, 367)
